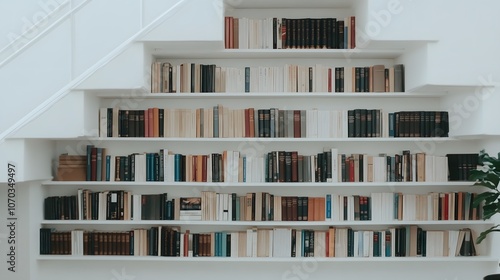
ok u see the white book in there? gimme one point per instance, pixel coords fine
(190, 218)
(250, 245)
(298, 243)
(254, 242)
(182, 244)
(103, 122)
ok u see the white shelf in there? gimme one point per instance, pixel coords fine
(287, 260)
(265, 140)
(246, 185)
(289, 4)
(164, 50)
(267, 223)
(335, 95)
(444, 88)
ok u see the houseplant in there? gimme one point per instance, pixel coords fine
(487, 176)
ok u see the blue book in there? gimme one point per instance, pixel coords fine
(391, 124)
(396, 205)
(346, 35)
(271, 122)
(388, 244)
(328, 206)
(216, 247)
(108, 168)
(152, 167)
(244, 169)
(131, 242)
(224, 244)
(99, 165)
(237, 218)
(219, 244)
(177, 168)
(247, 79)
(148, 167)
(89, 162)
(216, 122)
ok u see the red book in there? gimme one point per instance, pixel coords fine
(247, 123)
(351, 169)
(231, 33)
(353, 32)
(93, 164)
(446, 206)
(226, 32)
(283, 34)
(296, 124)
(156, 122)
(151, 122)
(204, 168)
(329, 79)
(186, 243)
(251, 121)
(146, 123)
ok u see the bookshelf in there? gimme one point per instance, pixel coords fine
(422, 98)
(262, 260)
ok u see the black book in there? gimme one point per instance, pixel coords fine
(399, 78)
(131, 123)
(337, 79)
(340, 35)
(141, 123)
(193, 77)
(351, 123)
(357, 79)
(357, 123)
(161, 122)
(110, 122)
(288, 166)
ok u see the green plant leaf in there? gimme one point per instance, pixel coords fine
(483, 234)
(485, 158)
(480, 197)
(489, 210)
(493, 178)
(492, 198)
(477, 174)
(485, 184)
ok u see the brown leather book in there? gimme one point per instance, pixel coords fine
(294, 208)
(296, 124)
(156, 121)
(378, 78)
(310, 209)
(284, 212)
(226, 32)
(236, 33)
(322, 208)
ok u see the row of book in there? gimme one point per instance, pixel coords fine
(375, 123)
(277, 166)
(223, 122)
(289, 33)
(196, 77)
(262, 206)
(405, 241)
